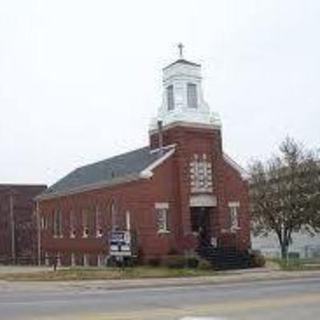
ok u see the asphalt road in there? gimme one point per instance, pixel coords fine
(276, 299)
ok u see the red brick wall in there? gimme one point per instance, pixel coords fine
(236, 189)
(137, 197)
(190, 141)
(228, 184)
(170, 183)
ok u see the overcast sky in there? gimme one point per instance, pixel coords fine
(80, 80)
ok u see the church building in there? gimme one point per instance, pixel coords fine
(177, 194)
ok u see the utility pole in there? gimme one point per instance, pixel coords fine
(13, 228)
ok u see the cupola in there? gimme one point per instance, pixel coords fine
(182, 100)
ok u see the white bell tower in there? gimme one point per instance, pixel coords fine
(183, 100)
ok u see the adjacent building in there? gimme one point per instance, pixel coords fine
(18, 229)
(178, 193)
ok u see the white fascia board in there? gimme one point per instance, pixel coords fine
(147, 172)
(244, 174)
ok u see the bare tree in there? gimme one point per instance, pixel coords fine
(285, 194)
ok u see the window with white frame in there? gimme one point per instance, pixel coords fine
(44, 222)
(233, 215)
(99, 231)
(192, 95)
(128, 221)
(162, 215)
(85, 223)
(72, 224)
(170, 97)
(57, 224)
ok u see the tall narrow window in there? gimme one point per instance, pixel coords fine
(54, 224)
(44, 222)
(114, 218)
(85, 223)
(99, 231)
(72, 224)
(57, 224)
(192, 96)
(233, 223)
(162, 210)
(170, 97)
(128, 222)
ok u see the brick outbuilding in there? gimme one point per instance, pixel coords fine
(18, 229)
(177, 194)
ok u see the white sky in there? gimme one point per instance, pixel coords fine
(80, 80)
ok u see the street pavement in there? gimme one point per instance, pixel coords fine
(292, 299)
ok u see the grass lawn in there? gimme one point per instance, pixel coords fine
(297, 264)
(93, 273)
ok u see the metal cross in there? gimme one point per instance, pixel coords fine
(180, 46)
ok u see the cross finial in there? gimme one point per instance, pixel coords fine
(180, 46)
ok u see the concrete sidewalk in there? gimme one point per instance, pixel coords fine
(223, 277)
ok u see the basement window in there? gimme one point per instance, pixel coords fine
(86, 260)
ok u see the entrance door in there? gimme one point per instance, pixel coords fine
(201, 223)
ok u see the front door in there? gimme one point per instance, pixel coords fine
(201, 223)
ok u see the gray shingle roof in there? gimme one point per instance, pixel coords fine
(103, 172)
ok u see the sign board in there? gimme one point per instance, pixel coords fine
(120, 244)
